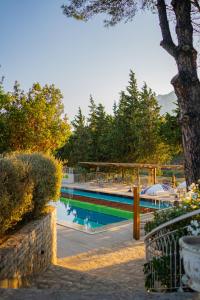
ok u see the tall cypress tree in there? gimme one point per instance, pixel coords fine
(149, 121)
(99, 128)
(125, 131)
(76, 149)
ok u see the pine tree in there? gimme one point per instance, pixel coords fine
(125, 130)
(99, 128)
(76, 149)
(170, 132)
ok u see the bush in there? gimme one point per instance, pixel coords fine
(27, 183)
(161, 217)
(16, 192)
(167, 259)
(46, 173)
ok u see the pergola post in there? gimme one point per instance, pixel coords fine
(149, 176)
(154, 176)
(138, 177)
(123, 174)
(173, 181)
(136, 213)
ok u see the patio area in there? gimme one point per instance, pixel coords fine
(109, 261)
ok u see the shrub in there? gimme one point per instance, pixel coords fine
(161, 217)
(16, 191)
(46, 173)
(27, 183)
(167, 259)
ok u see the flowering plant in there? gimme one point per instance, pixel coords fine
(190, 201)
(193, 192)
(161, 264)
(194, 228)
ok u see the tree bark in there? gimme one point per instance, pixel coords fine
(186, 83)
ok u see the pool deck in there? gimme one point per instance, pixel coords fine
(117, 189)
(114, 188)
(73, 242)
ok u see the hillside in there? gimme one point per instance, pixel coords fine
(167, 102)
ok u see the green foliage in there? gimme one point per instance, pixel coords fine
(90, 139)
(27, 183)
(116, 10)
(165, 267)
(161, 217)
(131, 134)
(46, 174)
(170, 132)
(4, 129)
(164, 216)
(161, 267)
(137, 122)
(76, 149)
(125, 125)
(32, 121)
(98, 130)
(16, 192)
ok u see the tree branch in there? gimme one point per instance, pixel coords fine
(196, 4)
(184, 29)
(167, 42)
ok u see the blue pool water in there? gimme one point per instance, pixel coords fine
(114, 198)
(86, 218)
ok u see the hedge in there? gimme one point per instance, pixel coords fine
(27, 183)
(16, 192)
(46, 173)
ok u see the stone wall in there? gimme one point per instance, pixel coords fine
(29, 251)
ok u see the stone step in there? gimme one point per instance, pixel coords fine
(57, 294)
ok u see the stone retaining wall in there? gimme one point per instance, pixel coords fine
(30, 250)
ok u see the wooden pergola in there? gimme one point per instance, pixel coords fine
(136, 190)
(137, 166)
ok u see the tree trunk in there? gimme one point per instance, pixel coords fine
(188, 94)
(187, 88)
(186, 84)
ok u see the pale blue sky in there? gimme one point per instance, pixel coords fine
(38, 43)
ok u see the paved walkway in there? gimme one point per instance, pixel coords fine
(108, 262)
(105, 266)
(50, 294)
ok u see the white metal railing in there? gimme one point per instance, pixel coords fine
(163, 270)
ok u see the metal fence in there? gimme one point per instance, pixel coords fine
(110, 178)
(164, 269)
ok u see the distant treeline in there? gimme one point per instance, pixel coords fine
(135, 132)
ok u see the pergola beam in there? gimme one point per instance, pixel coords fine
(132, 165)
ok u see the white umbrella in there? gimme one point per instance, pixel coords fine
(182, 186)
(157, 189)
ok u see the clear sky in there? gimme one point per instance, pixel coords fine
(38, 43)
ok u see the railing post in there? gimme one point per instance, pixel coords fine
(136, 213)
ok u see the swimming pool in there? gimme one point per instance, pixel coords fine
(108, 198)
(88, 217)
(93, 212)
